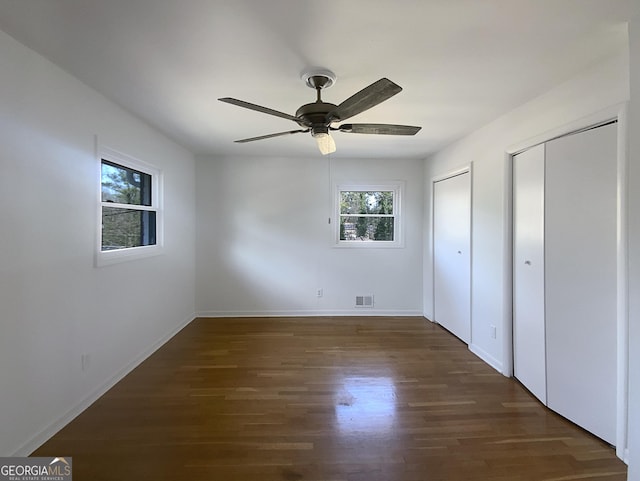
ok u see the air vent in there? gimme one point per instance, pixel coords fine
(364, 301)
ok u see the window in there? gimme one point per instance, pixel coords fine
(369, 215)
(129, 208)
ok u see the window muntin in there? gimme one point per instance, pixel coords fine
(368, 215)
(130, 220)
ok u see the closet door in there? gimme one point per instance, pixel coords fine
(529, 357)
(452, 259)
(580, 278)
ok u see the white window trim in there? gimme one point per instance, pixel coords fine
(397, 186)
(105, 258)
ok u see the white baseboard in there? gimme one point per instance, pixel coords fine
(486, 357)
(363, 312)
(40, 438)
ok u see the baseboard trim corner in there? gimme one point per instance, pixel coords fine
(486, 357)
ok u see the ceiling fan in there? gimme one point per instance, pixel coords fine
(319, 117)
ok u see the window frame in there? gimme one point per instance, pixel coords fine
(109, 257)
(397, 187)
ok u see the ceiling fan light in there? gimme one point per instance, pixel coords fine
(325, 142)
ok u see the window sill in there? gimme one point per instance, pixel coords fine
(107, 258)
(369, 245)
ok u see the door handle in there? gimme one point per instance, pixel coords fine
(527, 263)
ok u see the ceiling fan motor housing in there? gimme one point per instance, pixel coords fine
(316, 116)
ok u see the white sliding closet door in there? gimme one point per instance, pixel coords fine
(452, 254)
(580, 278)
(529, 357)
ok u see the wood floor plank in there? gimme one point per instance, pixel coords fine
(324, 399)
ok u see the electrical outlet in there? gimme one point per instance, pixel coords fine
(494, 332)
(320, 292)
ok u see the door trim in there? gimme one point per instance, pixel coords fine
(619, 113)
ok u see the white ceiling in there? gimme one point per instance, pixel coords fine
(461, 63)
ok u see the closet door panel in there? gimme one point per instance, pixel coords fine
(580, 278)
(528, 271)
(452, 249)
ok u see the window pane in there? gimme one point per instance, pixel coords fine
(125, 186)
(366, 202)
(122, 228)
(353, 228)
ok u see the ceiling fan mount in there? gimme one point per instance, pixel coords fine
(318, 78)
(318, 117)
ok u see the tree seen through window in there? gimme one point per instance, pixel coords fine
(366, 215)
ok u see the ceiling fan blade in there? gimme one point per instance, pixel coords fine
(368, 97)
(259, 108)
(262, 137)
(379, 129)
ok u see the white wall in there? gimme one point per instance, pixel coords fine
(601, 86)
(55, 305)
(264, 245)
(634, 253)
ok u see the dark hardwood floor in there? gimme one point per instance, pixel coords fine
(324, 399)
